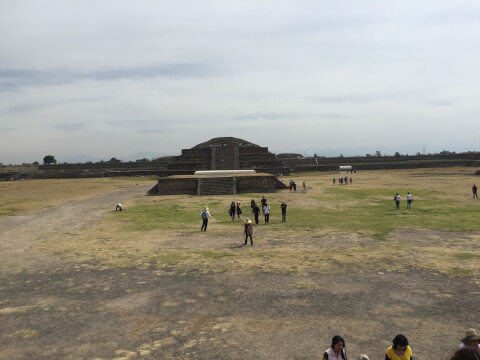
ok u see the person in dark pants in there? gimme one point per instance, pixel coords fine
(248, 229)
(232, 210)
(284, 212)
(266, 212)
(205, 214)
(474, 191)
(397, 199)
(256, 212)
(263, 201)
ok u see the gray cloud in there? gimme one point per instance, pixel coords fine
(16, 78)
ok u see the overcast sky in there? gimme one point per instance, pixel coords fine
(116, 78)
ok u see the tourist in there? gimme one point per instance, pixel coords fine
(118, 207)
(239, 209)
(256, 212)
(397, 198)
(474, 190)
(284, 211)
(294, 186)
(337, 350)
(252, 204)
(400, 350)
(248, 230)
(304, 186)
(351, 180)
(263, 201)
(409, 200)
(471, 339)
(266, 212)
(205, 214)
(334, 181)
(232, 210)
(466, 353)
(363, 357)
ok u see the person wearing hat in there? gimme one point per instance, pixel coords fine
(248, 230)
(205, 214)
(471, 339)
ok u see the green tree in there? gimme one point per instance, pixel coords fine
(49, 159)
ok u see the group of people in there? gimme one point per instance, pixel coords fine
(397, 198)
(236, 210)
(343, 180)
(469, 349)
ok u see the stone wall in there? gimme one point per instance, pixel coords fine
(225, 185)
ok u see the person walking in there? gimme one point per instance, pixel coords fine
(263, 201)
(248, 230)
(409, 200)
(284, 212)
(256, 212)
(232, 210)
(239, 209)
(266, 212)
(474, 191)
(397, 199)
(333, 181)
(205, 214)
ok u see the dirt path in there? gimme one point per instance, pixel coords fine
(19, 233)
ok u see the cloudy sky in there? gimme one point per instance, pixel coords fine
(115, 78)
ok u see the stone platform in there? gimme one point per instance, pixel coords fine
(217, 185)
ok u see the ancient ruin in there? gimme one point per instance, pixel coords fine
(226, 153)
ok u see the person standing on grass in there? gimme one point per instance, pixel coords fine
(397, 200)
(284, 211)
(263, 201)
(399, 350)
(409, 200)
(474, 191)
(232, 210)
(252, 204)
(205, 214)
(256, 212)
(333, 181)
(239, 209)
(118, 207)
(266, 212)
(248, 230)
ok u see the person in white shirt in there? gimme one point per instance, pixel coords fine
(409, 200)
(266, 212)
(205, 214)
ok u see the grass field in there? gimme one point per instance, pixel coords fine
(342, 227)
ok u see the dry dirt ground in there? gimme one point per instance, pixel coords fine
(54, 309)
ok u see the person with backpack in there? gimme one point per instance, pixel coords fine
(205, 214)
(337, 350)
(248, 230)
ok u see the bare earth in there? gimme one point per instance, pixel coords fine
(53, 309)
